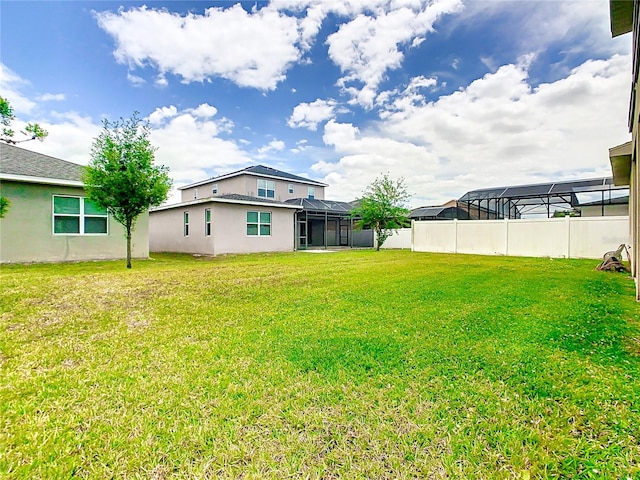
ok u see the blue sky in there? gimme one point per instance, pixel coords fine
(448, 94)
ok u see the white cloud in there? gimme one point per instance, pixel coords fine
(309, 115)
(52, 97)
(272, 146)
(498, 131)
(368, 46)
(189, 145)
(534, 26)
(160, 114)
(11, 85)
(204, 111)
(252, 49)
(135, 80)
(70, 136)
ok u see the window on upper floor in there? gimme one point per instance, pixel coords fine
(266, 189)
(78, 216)
(259, 224)
(214, 190)
(291, 188)
(311, 193)
(195, 193)
(207, 222)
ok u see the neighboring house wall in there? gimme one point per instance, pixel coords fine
(614, 210)
(26, 231)
(228, 229)
(229, 185)
(247, 184)
(231, 230)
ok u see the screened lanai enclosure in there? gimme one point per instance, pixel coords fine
(325, 223)
(544, 199)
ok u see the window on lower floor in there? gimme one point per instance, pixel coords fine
(186, 224)
(207, 222)
(266, 189)
(259, 224)
(78, 216)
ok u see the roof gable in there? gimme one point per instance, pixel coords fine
(259, 171)
(16, 162)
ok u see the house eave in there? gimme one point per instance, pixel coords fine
(223, 200)
(42, 180)
(620, 159)
(237, 174)
(621, 17)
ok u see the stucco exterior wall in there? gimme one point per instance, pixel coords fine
(634, 184)
(230, 185)
(26, 231)
(230, 230)
(228, 233)
(166, 231)
(609, 211)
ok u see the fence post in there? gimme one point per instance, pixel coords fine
(455, 235)
(506, 245)
(568, 221)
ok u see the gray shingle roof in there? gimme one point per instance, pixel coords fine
(18, 161)
(259, 170)
(272, 172)
(247, 198)
(321, 205)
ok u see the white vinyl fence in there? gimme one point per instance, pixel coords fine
(568, 237)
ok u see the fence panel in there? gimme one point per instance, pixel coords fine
(588, 237)
(401, 238)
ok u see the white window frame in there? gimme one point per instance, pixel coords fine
(290, 188)
(214, 189)
(80, 216)
(311, 193)
(195, 193)
(259, 223)
(267, 186)
(185, 223)
(207, 223)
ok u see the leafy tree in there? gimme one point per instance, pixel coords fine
(4, 206)
(33, 130)
(381, 208)
(121, 176)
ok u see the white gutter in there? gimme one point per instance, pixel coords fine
(44, 180)
(224, 200)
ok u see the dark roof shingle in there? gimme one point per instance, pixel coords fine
(18, 161)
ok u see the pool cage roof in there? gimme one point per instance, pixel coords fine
(537, 199)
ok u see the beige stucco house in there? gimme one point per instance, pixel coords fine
(49, 218)
(240, 212)
(223, 224)
(256, 209)
(624, 158)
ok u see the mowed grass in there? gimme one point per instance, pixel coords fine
(355, 364)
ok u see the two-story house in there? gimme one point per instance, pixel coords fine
(256, 209)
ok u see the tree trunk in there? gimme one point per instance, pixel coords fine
(128, 244)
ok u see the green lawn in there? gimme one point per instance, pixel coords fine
(354, 364)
